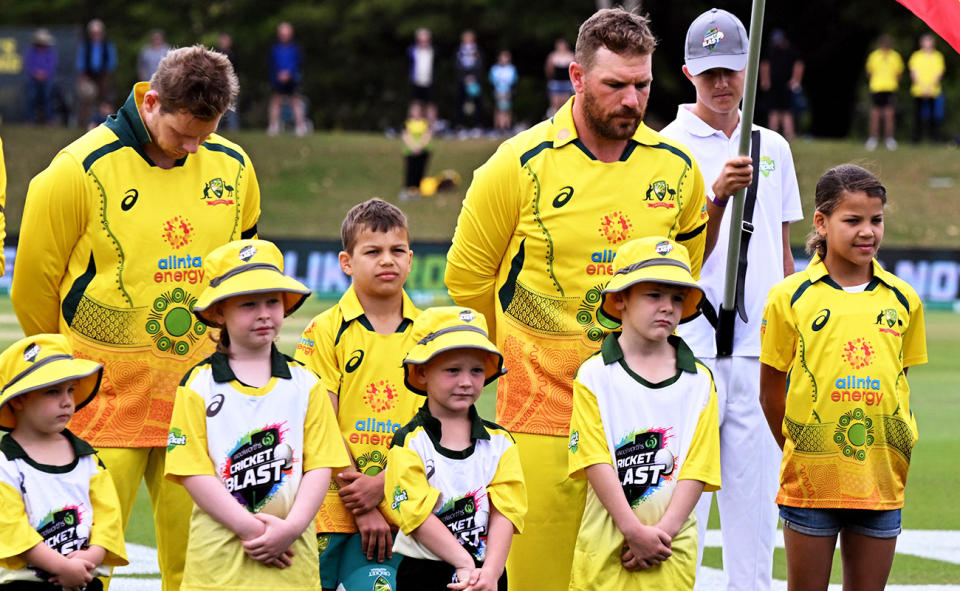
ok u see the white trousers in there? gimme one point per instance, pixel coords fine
(750, 477)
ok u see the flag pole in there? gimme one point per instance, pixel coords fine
(749, 98)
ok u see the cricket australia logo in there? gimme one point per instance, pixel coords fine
(643, 463)
(217, 192)
(659, 194)
(889, 318)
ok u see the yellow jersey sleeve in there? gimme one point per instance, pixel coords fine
(703, 458)
(778, 338)
(484, 228)
(915, 337)
(406, 488)
(507, 490)
(322, 444)
(18, 536)
(588, 441)
(187, 452)
(251, 204)
(320, 356)
(3, 208)
(107, 529)
(54, 216)
(693, 222)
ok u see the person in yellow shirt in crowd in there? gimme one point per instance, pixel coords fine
(357, 348)
(535, 244)
(112, 244)
(3, 206)
(926, 71)
(884, 67)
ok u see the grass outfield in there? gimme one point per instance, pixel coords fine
(308, 184)
(933, 475)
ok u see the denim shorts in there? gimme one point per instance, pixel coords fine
(829, 522)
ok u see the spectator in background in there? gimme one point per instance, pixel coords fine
(96, 61)
(781, 74)
(285, 74)
(40, 63)
(231, 119)
(151, 54)
(416, 150)
(421, 57)
(884, 66)
(926, 70)
(559, 87)
(469, 69)
(503, 75)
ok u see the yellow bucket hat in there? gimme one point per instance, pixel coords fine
(654, 259)
(41, 361)
(445, 328)
(247, 267)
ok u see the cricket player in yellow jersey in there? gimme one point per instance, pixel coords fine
(111, 252)
(534, 247)
(357, 347)
(3, 206)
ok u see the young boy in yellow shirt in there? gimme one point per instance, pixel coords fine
(454, 480)
(58, 506)
(357, 347)
(644, 430)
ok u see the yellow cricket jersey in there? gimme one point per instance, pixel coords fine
(848, 425)
(111, 255)
(365, 370)
(927, 68)
(69, 508)
(258, 442)
(883, 70)
(654, 435)
(535, 244)
(458, 486)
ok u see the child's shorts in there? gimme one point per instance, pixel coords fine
(342, 561)
(829, 522)
(419, 574)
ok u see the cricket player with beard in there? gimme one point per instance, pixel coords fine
(534, 247)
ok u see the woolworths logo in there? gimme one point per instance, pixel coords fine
(175, 438)
(399, 496)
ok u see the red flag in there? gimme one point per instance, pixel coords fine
(943, 16)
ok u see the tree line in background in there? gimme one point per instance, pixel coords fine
(355, 71)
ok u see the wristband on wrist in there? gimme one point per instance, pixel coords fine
(719, 202)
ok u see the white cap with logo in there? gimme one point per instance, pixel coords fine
(716, 39)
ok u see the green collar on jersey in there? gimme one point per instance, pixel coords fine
(13, 451)
(129, 127)
(279, 366)
(686, 361)
(432, 426)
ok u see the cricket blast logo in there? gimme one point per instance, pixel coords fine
(257, 467)
(642, 464)
(467, 522)
(64, 532)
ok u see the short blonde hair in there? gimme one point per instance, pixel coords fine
(616, 29)
(196, 80)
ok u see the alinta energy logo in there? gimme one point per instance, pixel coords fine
(615, 227)
(177, 232)
(858, 353)
(381, 396)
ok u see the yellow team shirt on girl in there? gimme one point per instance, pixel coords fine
(259, 442)
(535, 244)
(927, 68)
(848, 425)
(365, 370)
